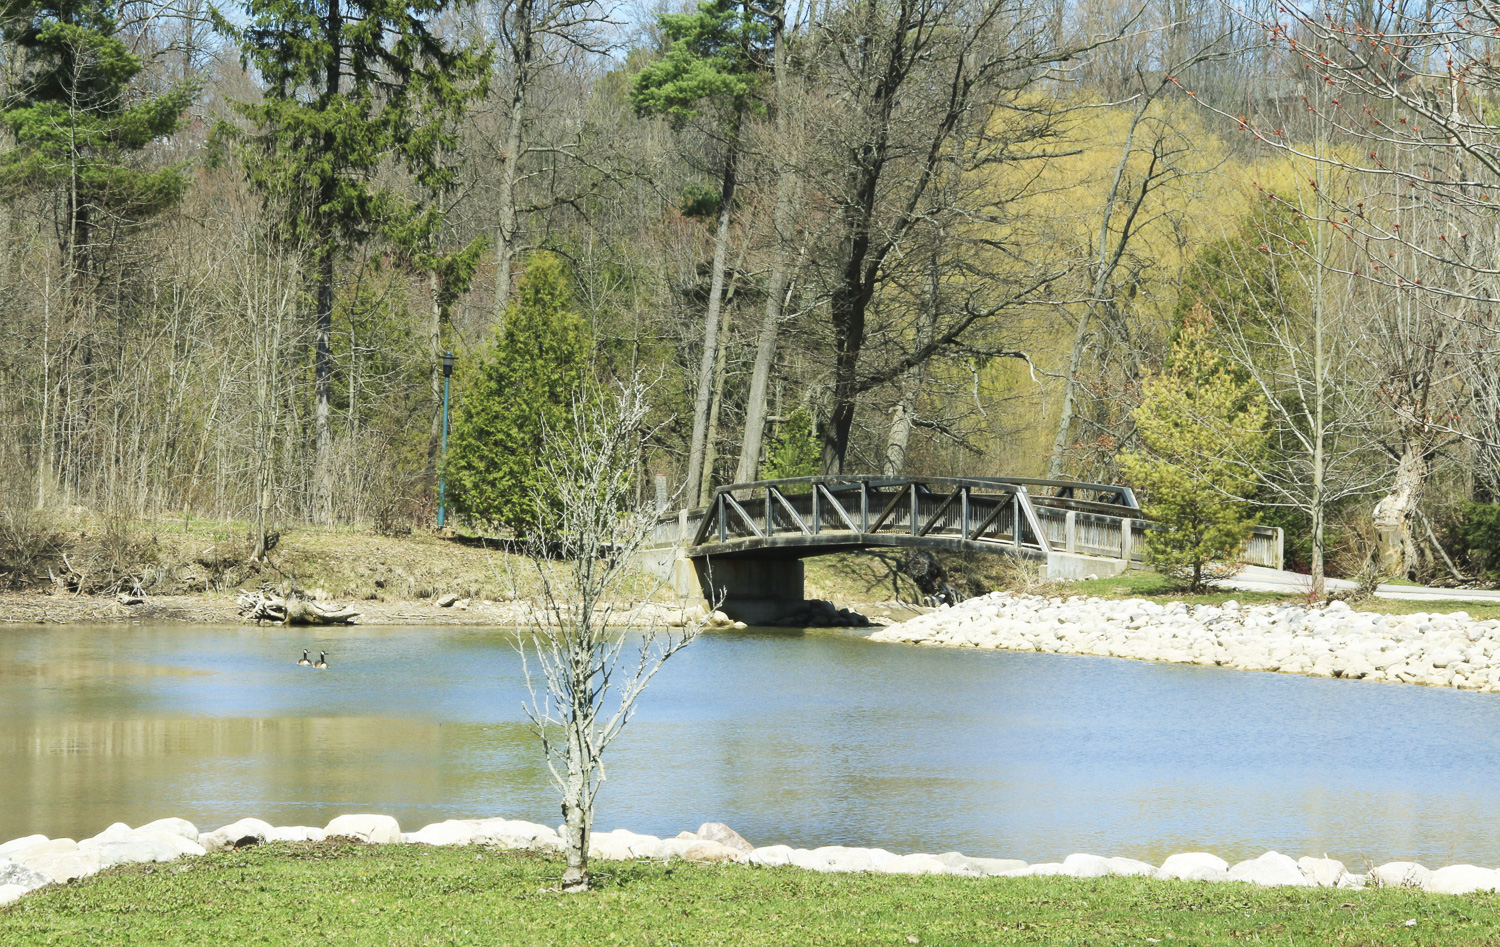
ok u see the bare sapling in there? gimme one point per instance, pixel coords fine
(595, 641)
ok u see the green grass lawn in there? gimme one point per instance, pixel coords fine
(1152, 586)
(334, 893)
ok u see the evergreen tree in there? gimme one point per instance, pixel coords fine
(795, 450)
(715, 61)
(352, 87)
(1204, 431)
(80, 124)
(521, 392)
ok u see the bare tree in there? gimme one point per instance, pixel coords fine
(594, 644)
(535, 36)
(1293, 326)
(1150, 161)
(1398, 94)
(917, 97)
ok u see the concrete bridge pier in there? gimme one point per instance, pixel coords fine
(754, 591)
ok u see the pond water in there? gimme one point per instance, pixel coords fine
(808, 739)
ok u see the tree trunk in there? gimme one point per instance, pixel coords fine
(1070, 383)
(895, 445)
(847, 313)
(760, 376)
(435, 354)
(322, 382)
(577, 817)
(505, 190)
(911, 387)
(323, 352)
(1394, 513)
(693, 486)
(710, 446)
(782, 226)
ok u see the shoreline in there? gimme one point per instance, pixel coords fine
(34, 862)
(40, 608)
(1436, 650)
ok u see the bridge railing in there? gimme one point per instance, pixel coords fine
(1104, 522)
(972, 510)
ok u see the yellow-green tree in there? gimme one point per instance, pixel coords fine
(1203, 430)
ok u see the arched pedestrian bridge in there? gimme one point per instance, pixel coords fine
(746, 546)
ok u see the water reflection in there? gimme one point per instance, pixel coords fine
(809, 739)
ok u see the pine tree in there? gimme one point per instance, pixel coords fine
(521, 391)
(80, 124)
(1204, 431)
(352, 88)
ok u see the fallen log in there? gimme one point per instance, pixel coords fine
(265, 604)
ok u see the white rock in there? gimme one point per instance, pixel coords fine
(1272, 869)
(771, 856)
(833, 858)
(296, 833)
(622, 844)
(1321, 643)
(1462, 879)
(9, 893)
(235, 835)
(451, 832)
(1046, 869)
(179, 827)
(1080, 865)
(988, 867)
(634, 845)
(26, 841)
(118, 830)
(1129, 867)
(514, 833)
(52, 846)
(724, 835)
(375, 829)
(63, 866)
(1179, 866)
(1400, 875)
(707, 852)
(15, 873)
(1322, 872)
(131, 851)
(916, 864)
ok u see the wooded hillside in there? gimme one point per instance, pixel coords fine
(890, 236)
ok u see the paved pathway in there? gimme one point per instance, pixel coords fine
(1261, 579)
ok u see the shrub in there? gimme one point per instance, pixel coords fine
(1479, 528)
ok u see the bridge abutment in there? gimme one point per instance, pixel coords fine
(753, 591)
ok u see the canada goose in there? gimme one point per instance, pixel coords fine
(304, 662)
(322, 660)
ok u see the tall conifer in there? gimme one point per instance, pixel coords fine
(80, 123)
(351, 87)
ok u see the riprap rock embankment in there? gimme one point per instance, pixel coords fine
(35, 861)
(1439, 650)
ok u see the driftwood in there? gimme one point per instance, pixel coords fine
(266, 604)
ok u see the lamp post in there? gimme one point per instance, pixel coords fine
(443, 455)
